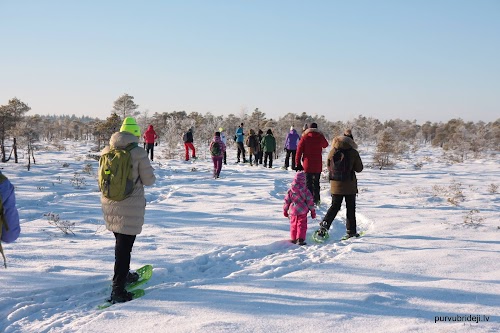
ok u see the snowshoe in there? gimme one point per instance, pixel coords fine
(320, 235)
(347, 236)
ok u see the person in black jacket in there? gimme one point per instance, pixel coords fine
(188, 144)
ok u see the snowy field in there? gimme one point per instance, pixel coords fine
(429, 261)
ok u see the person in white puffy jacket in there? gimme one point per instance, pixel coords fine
(125, 218)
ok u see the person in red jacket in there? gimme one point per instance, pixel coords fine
(309, 156)
(149, 140)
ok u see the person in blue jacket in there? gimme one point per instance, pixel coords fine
(291, 142)
(239, 139)
(10, 216)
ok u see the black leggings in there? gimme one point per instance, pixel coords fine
(150, 147)
(350, 202)
(241, 151)
(123, 248)
(312, 183)
(290, 153)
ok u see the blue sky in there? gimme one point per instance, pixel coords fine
(418, 60)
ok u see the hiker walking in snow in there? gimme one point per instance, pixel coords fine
(125, 218)
(188, 144)
(239, 139)
(149, 139)
(218, 151)
(260, 155)
(268, 145)
(224, 140)
(9, 216)
(298, 202)
(309, 156)
(298, 166)
(291, 142)
(343, 163)
(253, 145)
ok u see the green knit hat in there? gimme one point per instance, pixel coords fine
(129, 125)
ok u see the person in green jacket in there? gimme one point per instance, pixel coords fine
(268, 145)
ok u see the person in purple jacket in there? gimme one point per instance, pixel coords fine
(217, 150)
(298, 202)
(291, 142)
(9, 219)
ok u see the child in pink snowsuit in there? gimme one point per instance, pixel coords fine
(298, 202)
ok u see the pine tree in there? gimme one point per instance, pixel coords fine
(386, 149)
(125, 106)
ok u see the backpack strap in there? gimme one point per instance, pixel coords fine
(131, 146)
(129, 149)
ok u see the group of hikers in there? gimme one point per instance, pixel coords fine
(261, 147)
(124, 215)
(343, 163)
(125, 218)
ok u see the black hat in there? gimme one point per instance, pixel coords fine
(314, 125)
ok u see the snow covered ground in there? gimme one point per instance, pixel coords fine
(429, 262)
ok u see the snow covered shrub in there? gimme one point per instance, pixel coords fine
(78, 181)
(64, 225)
(472, 218)
(88, 169)
(453, 192)
(493, 188)
(451, 157)
(58, 145)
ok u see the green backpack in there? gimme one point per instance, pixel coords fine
(115, 173)
(215, 149)
(2, 222)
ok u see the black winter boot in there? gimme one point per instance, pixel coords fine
(132, 277)
(120, 295)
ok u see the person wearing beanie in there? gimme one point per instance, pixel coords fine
(223, 139)
(239, 139)
(149, 139)
(217, 150)
(298, 202)
(268, 146)
(125, 218)
(309, 158)
(343, 183)
(260, 155)
(188, 144)
(130, 125)
(253, 145)
(291, 142)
